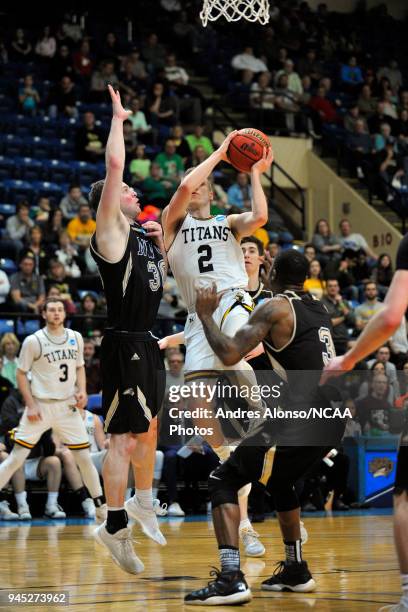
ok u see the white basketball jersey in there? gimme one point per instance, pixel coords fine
(206, 249)
(53, 372)
(90, 430)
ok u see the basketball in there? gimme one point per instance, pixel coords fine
(246, 148)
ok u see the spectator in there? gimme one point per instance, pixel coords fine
(366, 103)
(341, 314)
(247, 62)
(354, 240)
(27, 288)
(128, 83)
(154, 53)
(63, 98)
(360, 148)
(379, 117)
(374, 410)
(310, 66)
(58, 277)
(325, 111)
(288, 102)
(20, 47)
(164, 109)
(138, 119)
(197, 138)
(155, 188)
(173, 72)
(140, 165)
(189, 98)
(81, 227)
(136, 66)
(54, 291)
(383, 273)
(384, 138)
(111, 49)
(42, 210)
(37, 250)
(4, 289)
(28, 96)
(390, 108)
(199, 155)
(240, 193)
(262, 95)
(62, 64)
(309, 252)
(89, 140)
(82, 61)
(353, 426)
(71, 202)
(88, 325)
(393, 74)
(129, 137)
(100, 80)
(46, 45)
(182, 146)
(9, 349)
(67, 254)
(314, 284)
(351, 75)
(383, 355)
(52, 228)
(351, 118)
(369, 307)
(170, 163)
(92, 368)
(294, 82)
(19, 225)
(327, 245)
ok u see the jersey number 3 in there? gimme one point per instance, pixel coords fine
(64, 372)
(204, 264)
(326, 337)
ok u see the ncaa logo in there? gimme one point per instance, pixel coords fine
(72, 342)
(220, 217)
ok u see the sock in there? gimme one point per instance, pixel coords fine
(82, 494)
(245, 524)
(155, 491)
(145, 498)
(21, 498)
(404, 585)
(99, 501)
(293, 551)
(229, 558)
(52, 499)
(117, 519)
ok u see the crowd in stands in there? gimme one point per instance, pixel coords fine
(297, 76)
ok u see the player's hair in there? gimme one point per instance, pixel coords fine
(291, 267)
(255, 240)
(52, 300)
(95, 194)
(209, 182)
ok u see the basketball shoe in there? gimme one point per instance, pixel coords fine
(88, 507)
(24, 513)
(250, 540)
(399, 607)
(120, 548)
(5, 513)
(290, 577)
(147, 519)
(228, 588)
(54, 511)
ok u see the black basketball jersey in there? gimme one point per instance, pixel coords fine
(134, 285)
(260, 295)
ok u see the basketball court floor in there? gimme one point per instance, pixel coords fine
(351, 556)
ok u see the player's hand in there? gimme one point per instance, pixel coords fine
(163, 343)
(153, 228)
(266, 270)
(117, 108)
(258, 350)
(33, 413)
(223, 148)
(337, 367)
(81, 399)
(265, 162)
(207, 300)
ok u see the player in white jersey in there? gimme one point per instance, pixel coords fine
(54, 357)
(204, 249)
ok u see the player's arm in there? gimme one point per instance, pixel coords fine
(171, 341)
(99, 433)
(111, 224)
(81, 395)
(175, 212)
(231, 350)
(29, 351)
(245, 224)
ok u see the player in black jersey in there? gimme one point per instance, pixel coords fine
(378, 330)
(131, 263)
(295, 329)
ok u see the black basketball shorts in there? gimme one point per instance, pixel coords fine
(133, 381)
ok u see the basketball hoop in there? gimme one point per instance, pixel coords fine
(233, 10)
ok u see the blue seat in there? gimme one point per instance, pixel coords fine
(17, 189)
(64, 149)
(86, 173)
(56, 170)
(8, 266)
(39, 147)
(6, 326)
(7, 210)
(25, 328)
(94, 402)
(48, 190)
(83, 292)
(30, 169)
(7, 167)
(13, 145)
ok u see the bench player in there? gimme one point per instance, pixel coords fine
(54, 357)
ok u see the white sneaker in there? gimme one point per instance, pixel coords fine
(120, 548)
(250, 539)
(6, 514)
(147, 519)
(304, 536)
(175, 510)
(24, 513)
(399, 607)
(160, 510)
(55, 512)
(88, 507)
(101, 513)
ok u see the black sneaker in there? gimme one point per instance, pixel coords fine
(290, 577)
(227, 588)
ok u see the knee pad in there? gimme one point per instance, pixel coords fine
(221, 490)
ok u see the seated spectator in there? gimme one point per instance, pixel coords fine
(135, 65)
(384, 138)
(182, 146)
(46, 44)
(71, 202)
(325, 111)
(310, 66)
(365, 311)
(92, 368)
(128, 83)
(393, 74)
(309, 252)
(20, 47)
(314, 284)
(41, 210)
(111, 49)
(87, 325)
(153, 53)
(403, 385)
(374, 410)
(138, 120)
(366, 103)
(378, 367)
(247, 63)
(294, 82)
(89, 140)
(199, 155)
(240, 193)
(62, 64)
(173, 72)
(262, 95)
(360, 148)
(354, 240)
(37, 250)
(101, 78)
(361, 272)
(57, 277)
(383, 273)
(82, 61)
(327, 245)
(129, 138)
(288, 102)
(4, 290)
(54, 291)
(67, 254)
(353, 426)
(19, 225)
(351, 118)
(163, 109)
(27, 288)
(189, 98)
(63, 98)
(351, 75)
(9, 349)
(52, 228)
(345, 275)
(197, 138)
(140, 165)
(156, 189)
(383, 355)
(170, 163)
(341, 314)
(81, 227)
(379, 117)
(29, 97)
(390, 108)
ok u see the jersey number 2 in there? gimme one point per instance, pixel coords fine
(64, 372)
(204, 264)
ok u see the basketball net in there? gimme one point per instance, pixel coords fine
(233, 10)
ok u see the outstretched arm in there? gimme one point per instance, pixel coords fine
(245, 224)
(231, 350)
